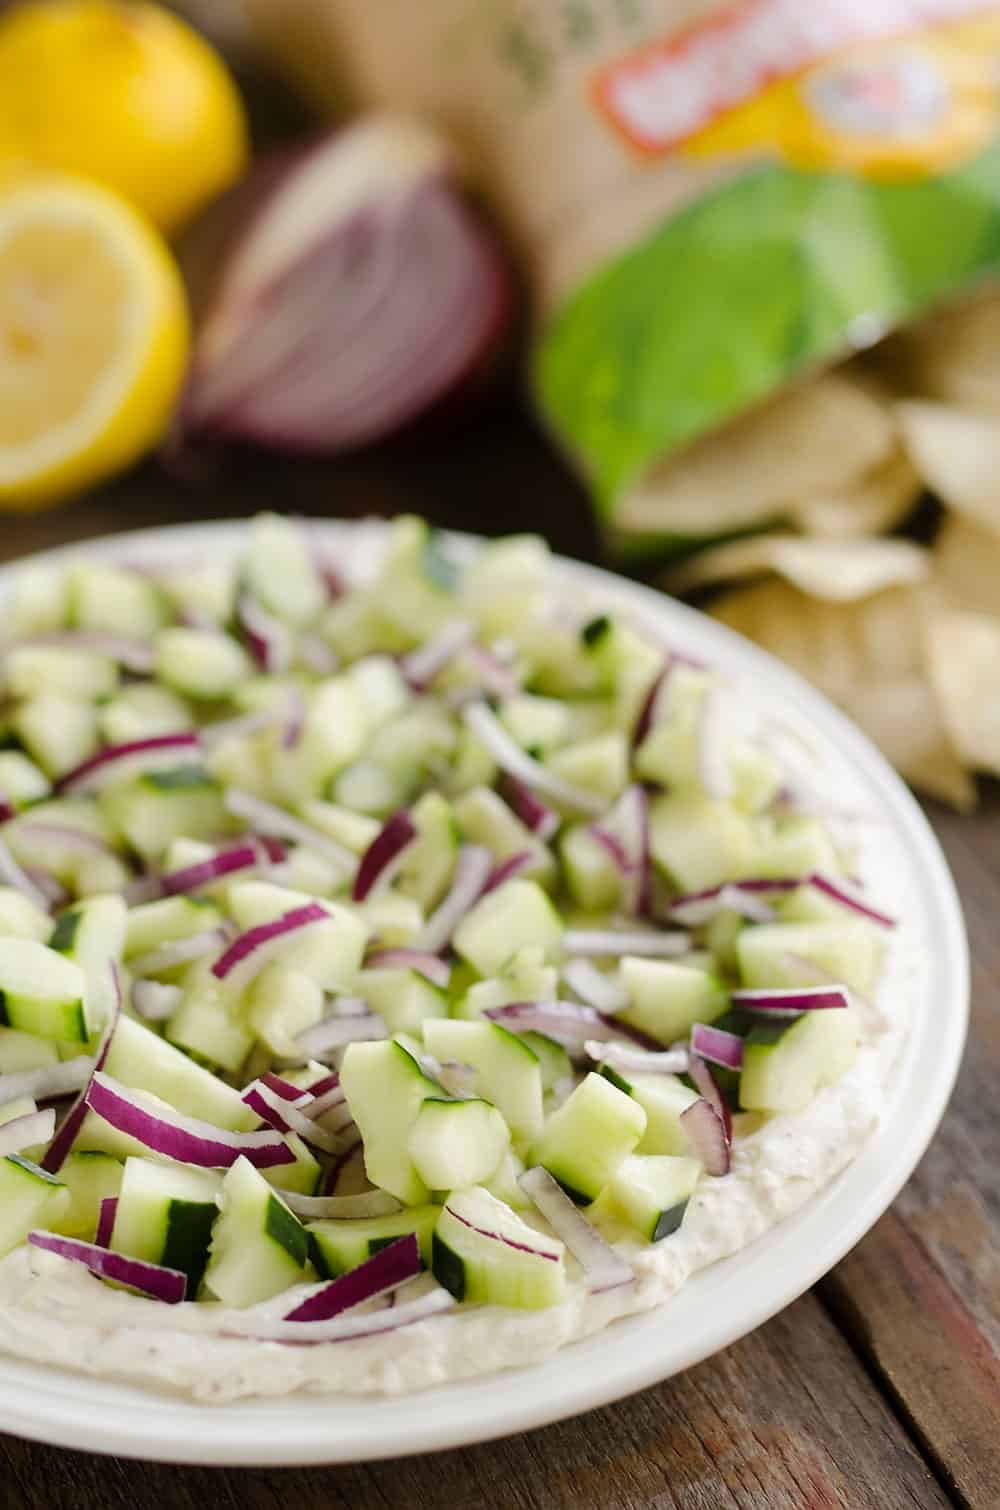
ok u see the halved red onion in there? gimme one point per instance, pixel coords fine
(384, 854)
(267, 639)
(154, 1001)
(841, 890)
(115, 761)
(24, 1132)
(268, 818)
(179, 952)
(370, 1203)
(168, 1285)
(746, 897)
(472, 871)
(422, 665)
(790, 1000)
(566, 1021)
(55, 1155)
(705, 1081)
(335, 1032)
(283, 1111)
(242, 856)
(707, 1136)
(107, 1211)
(12, 874)
(343, 1328)
(713, 747)
(436, 970)
(595, 988)
(516, 762)
(638, 1061)
(509, 869)
(533, 813)
(130, 651)
(611, 943)
(717, 1046)
(170, 1133)
(603, 1268)
(390, 1266)
(247, 955)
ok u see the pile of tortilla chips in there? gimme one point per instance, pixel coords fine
(904, 636)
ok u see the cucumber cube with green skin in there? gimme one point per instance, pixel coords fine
(484, 818)
(161, 806)
(165, 1215)
(385, 1089)
(525, 977)
(553, 1060)
(41, 992)
(21, 918)
(508, 1072)
(281, 1004)
(848, 952)
(457, 1143)
(697, 842)
(329, 951)
(651, 1192)
(29, 1197)
(663, 1098)
(203, 664)
(280, 572)
(593, 878)
(404, 999)
(141, 710)
(76, 673)
(58, 731)
(599, 765)
(90, 1177)
(21, 782)
(393, 921)
(586, 1138)
(353, 830)
(303, 1176)
(666, 998)
(258, 1247)
(163, 922)
(334, 734)
(428, 863)
(113, 599)
(786, 1062)
(25, 1051)
(205, 1024)
(483, 1251)
(503, 1182)
(140, 1058)
(510, 918)
(92, 935)
(339, 1245)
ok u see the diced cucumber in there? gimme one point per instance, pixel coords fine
(598, 765)
(165, 1215)
(353, 830)
(381, 686)
(385, 1088)
(58, 731)
(38, 600)
(457, 1143)
(756, 776)
(58, 668)
(280, 571)
(142, 710)
(428, 862)
(526, 977)
(585, 1139)
(663, 1098)
(165, 921)
(507, 584)
(330, 951)
(202, 664)
(370, 789)
(651, 1192)
(282, 1003)
(849, 952)
(353, 627)
(28, 1198)
(593, 878)
(92, 935)
(303, 1176)
(21, 782)
(41, 992)
(540, 724)
(809, 904)
(21, 918)
(503, 1182)
(334, 735)
(338, 1245)
(161, 806)
(483, 1251)
(786, 1062)
(508, 1069)
(112, 598)
(140, 1058)
(394, 921)
(795, 846)
(205, 1024)
(259, 1247)
(416, 745)
(697, 842)
(484, 818)
(721, 938)
(472, 765)
(414, 590)
(25, 1051)
(203, 590)
(404, 999)
(90, 1178)
(666, 998)
(512, 917)
(553, 1060)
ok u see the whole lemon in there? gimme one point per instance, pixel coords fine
(125, 94)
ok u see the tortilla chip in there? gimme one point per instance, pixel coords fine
(872, 506)
(964, 656)
(903, 718)
(820, 437)
(957, 452)
(955, 355)
(839, 571)
(966, 561)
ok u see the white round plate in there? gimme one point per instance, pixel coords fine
(718, 1305)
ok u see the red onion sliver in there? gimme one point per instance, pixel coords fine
(391, 1266)
(717, 1046)
(495, 678)
(344, 1328)
(178, 952)
(475, 864)
(188, 1140)
(168, 1285)
(335, 1032)
(287, 1091)
(706, 1134)
(267, 639)
(295, 719)
(107, 1212)
(64, 1139)
(510, 757)
(384, 854)
(295, 1120)
(24, 1132)
(369, 1204)
(533, 813)
(603, 1268)
(321, 1104)
(421, 666)
(704, 1078)
(130, 651)
(436, 970)
(594, 987)
(638, 1061)
(7, 809)
(11, 874)
(250, 951)
(90, 773)
(507, 870)
(790, 1000)
(647, 713)
(458, 1079)
(564, 1020)
(154, 1001)
(223, 863)
(745, 897)
(608, 941)
(268, 818)
(841, 891)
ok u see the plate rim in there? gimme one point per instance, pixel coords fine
(49, 1408)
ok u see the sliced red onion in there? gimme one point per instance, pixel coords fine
(250, 951)
(7, 809)
(179, 952)
(168, 1285)
(789, 1001)
(745, 897)
(279, 1110)
(24, 1132)
(342, 1167)
(496, 678)
(154, 1001)
(345, 1328)
(717, 1046)
(391, 1266)
(316, 655)
(475, 864)
(268, 818)
(333, 1114)
(130, 651)
(624, 833)
(705, 1081)
(370, 1203)
(243, 856)
(295, 719)
(47, 1082)
(188, 1140)
(603, 1268)
(533, 813)
(302, 1098)
(64, 1139)
(638, 1061)
(509, 869)
(115, 760)
(501, 1237)
(608, 941)
(706, 1134)
(331, 1080)
(647, 713)
(594, 987)
(421, 666)
(334, 1032)
(840, 890)
(510, 757)
(435, 969)
(564, 1020)
(11, 874)
(384, 854)
(458, 1079)
(713, 746)
(267, 639)
(281, 1092)
(107, 1212)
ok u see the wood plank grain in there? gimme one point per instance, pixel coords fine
(785, 1420)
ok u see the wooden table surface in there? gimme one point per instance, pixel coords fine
(881, 1387)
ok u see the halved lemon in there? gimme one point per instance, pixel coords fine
(93, 338)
